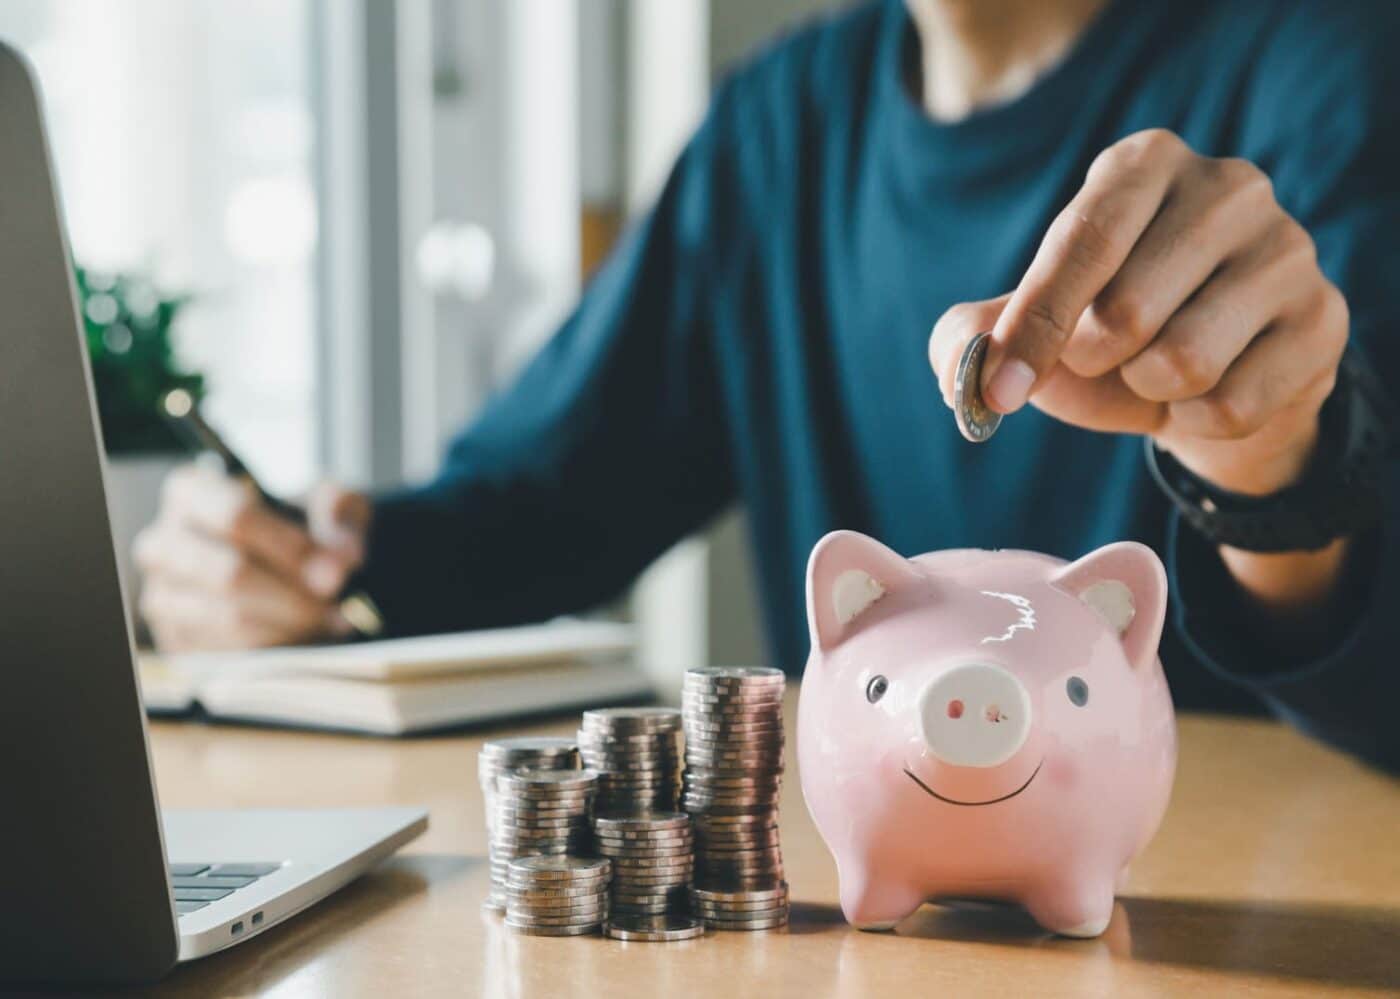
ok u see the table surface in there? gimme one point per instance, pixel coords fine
(1277, 871)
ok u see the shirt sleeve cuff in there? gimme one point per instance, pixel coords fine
(1217, 626)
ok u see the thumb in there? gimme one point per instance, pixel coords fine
(338, 520)
(951, 334)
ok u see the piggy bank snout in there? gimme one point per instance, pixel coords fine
(974, 715)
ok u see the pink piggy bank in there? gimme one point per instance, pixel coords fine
(990, 725)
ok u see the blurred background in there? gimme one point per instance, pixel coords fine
(348, 221)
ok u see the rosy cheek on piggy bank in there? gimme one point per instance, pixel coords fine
(984, 724)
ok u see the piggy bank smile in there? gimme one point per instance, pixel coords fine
(984, 724)
(990, 801)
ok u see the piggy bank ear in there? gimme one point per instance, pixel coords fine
(1126, 585)
(845, 575)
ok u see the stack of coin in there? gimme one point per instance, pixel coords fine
(733, 777)
(557, 896)
(541, 812)
(502, 756)
(741, 910)
(653, 855)
(636, 753)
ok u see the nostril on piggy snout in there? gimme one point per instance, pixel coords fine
(974, 715)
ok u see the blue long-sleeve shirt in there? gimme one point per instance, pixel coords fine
(760, 337)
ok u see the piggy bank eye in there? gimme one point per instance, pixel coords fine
(1078, 691)
(875, 689)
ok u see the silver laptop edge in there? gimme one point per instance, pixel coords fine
(87, 894)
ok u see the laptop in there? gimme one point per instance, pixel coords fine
(97, 886)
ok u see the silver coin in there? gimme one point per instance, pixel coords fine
(740, 713)
(762, 733)
(743, 674)
(553, 931)
(712, 855)
(635, 847)
(766, 819)
(551, 781)
(640, 894)
(561, 868)
(697, 799)
(701, 697)
(577, 832)
(592, 886)
(542, 745)
(755, 780)
(685, 852)
(642, 847)
(533, 894)
(767, 923)
(658, 880)
(545, 819)
(641, 822)
(576, 908)
(726, 895)
(654, 928)
(520, 922)
(664, 862)
(641, 908)
(653, 719)
(671, 898)
(514, 851)
(975, 419)
(765, 905)
(625, 836)
(763, 882)
(624, 765)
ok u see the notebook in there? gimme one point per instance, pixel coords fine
(404, 685)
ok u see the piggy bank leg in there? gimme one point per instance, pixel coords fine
(871, 902)
(1073, 908)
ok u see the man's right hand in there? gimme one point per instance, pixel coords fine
(222, 571)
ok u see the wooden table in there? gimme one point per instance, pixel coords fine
(1277, 871)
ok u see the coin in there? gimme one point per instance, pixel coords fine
(736, 909)
(529, 779)
(654, 928)
(765, 923)
(720, 895)
(754, 675)
(654, 821)
(532, 893)
(650, 719)
(561, 868)
(532, 929)
(974, 418)
(562, 905)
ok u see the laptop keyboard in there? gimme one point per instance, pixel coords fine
(196, 885)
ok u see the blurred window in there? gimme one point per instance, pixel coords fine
(183, 135)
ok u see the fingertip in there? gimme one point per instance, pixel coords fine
(324, 574)
(1009, 386)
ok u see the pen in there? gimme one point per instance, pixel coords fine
(183, 415)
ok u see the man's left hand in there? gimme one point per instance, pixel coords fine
(1172, 297)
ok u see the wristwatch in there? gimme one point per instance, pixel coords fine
(1340, 493)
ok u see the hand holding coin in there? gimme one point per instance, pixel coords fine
(1173, 297)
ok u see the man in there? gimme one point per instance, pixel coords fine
(1174, 216)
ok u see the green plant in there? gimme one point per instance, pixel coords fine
(128, 326)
